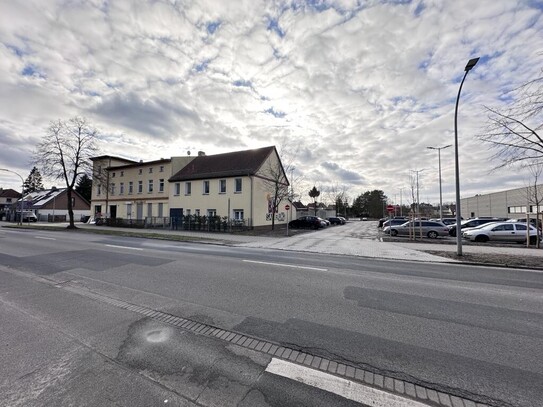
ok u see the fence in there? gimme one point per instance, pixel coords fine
(189, 222)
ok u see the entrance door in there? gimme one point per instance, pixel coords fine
(113, 211)
(176, 218)
(139, 211)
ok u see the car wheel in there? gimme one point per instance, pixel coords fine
(393, 232)
(481, 238)
(432, 234)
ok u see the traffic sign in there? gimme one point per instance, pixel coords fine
(390, 208)
(287, 207)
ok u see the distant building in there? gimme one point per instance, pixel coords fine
(512, 203)
(7, 198)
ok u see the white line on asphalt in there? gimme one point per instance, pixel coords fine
(285, 265)
(44, 238)
(337, 385)
(123, 247)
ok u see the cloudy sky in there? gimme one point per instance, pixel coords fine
(354, 90)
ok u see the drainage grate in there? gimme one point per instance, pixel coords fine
(392, 385)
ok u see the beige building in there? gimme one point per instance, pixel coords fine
(234, 186)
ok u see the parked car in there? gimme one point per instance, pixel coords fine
(29, 216)
(336, 220)
(427, 228)
(307, 222)
(501, 232)
(343, 219)
(394, 222)
(446, 221)
(470, 223)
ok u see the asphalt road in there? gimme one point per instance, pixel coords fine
(469, 331)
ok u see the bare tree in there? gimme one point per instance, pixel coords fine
(514, 132)
(534, 196)
(64, 153)
(275, 180)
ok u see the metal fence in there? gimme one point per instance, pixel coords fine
(189, 222)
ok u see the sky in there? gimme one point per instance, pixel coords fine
(352, 91)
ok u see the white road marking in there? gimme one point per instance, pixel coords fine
(123, 247)
(337, 385)
(44, 238)
(285, 265)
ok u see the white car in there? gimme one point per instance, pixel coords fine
(501, 232)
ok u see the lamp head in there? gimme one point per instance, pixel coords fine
(471, 64)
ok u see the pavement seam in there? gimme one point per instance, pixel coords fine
(341, 369)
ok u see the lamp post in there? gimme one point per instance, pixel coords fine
(440, 193)
(471, 63)
(22, 191)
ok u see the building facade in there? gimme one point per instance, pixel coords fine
(52, 205)
(235, 186)
(513, 203)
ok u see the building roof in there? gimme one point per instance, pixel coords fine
(237, 163)
(139, 164)
(41, 198)
(9, 193)
(102, 157)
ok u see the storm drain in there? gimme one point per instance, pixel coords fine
(389, 384)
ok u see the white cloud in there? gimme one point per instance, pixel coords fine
(360, 90)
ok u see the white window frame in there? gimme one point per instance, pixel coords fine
(205, 187)
(222, 186)
(150, 186)
(188, 188)
(236, 190)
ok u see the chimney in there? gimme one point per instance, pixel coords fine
(201, 153)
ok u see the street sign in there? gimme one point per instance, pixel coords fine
(287, 207)
(390, 208)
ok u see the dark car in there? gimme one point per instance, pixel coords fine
(306, 222)
(394, 222)
(336, 221)
(471, 223)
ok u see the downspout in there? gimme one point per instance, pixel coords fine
(251, 203)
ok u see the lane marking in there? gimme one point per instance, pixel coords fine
(123, 247)
(285, 265)
(44, 238)
(337, 385)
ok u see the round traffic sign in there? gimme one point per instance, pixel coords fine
(390, 208)
(287, 207)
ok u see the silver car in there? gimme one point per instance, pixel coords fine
(425, 227)
(501, 232)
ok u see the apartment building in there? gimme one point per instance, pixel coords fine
(237, 186)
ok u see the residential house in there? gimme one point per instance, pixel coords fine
(7, 198)
(52, 204)
(133, 190)
(238, 186)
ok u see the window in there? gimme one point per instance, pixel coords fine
(122, 173)
(140, 187)
(238, 185)
(160, 210)
(222, 186)
(521, 227)
(211, 213)
(8, 200)
(112, 189)
(112, 175)
(149, 210)
(161, 185)
(238, 214)
(140, 171)
(187, 212)
(121, 188)
(99, 189)
(129, 210)
(206, 187)
(502, 228)
(130, 187)
(150, 186)
(188, 188)
(177, 188)
(150, 170)
(197, 212)
(161, 169)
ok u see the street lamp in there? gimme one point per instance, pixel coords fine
(471, 63)
(22, 191)
(440, 193)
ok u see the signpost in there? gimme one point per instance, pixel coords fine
(287, 207)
